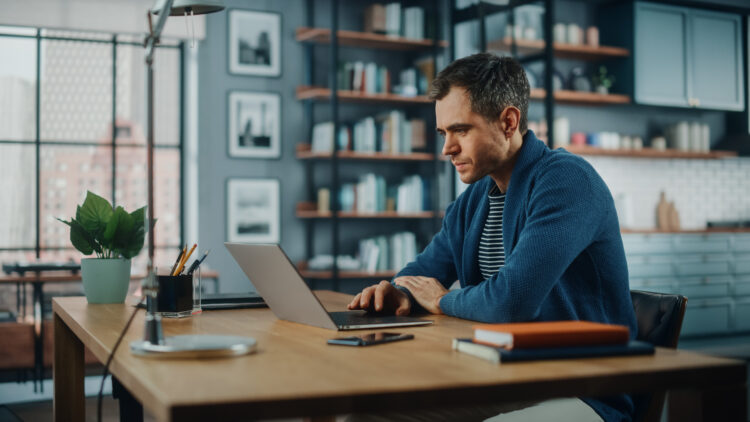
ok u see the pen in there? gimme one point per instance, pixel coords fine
(179, 259)
(184, 260)
(197, 262)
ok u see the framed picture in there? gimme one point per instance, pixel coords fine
(254, 125)
(253, 210)
(254, 43)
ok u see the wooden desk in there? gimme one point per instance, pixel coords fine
(294, 373)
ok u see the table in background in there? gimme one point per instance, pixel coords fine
(294, 373)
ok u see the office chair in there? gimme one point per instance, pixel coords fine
(659, 317)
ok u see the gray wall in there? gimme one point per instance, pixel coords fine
(215, 165)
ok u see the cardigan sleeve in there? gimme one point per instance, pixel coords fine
(564, 212)
(436, 260)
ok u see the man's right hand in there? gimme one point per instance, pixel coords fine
(382, 297)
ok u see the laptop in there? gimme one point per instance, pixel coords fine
(286, 293)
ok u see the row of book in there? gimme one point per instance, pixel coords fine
(390, 133)
(396, 21)
(372, 195)
(384, 253)
(371, 78)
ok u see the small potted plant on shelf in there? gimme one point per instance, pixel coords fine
(603, 81)
(115, 236)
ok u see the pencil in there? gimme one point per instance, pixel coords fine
(179, 259)
(184, 260)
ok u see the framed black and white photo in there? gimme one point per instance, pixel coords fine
(254, 125)
(253, 210)
(254, 43)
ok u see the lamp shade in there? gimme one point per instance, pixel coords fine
(198, 7)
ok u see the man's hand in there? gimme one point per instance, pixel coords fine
(382, 297)
(427, 291)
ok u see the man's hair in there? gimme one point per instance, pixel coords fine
(493, 83)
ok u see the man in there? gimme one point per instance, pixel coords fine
(535, 237)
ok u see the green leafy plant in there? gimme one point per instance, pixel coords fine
(109, 232)
(603, 78)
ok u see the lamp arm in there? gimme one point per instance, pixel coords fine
(155, 32)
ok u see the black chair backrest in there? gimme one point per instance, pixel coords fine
(659, 317)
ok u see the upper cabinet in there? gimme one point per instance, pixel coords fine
(660, 55)
(715, 60)
(681, 57)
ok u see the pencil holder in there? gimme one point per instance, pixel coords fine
(179, 296)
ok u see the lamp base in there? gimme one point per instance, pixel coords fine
(195, 346)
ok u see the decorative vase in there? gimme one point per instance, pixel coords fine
(105, 280)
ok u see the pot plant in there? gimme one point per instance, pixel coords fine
(115, 236)
(603, 81)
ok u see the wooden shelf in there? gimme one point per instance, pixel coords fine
(561, 50)
(324, 94)
(580, 97)
(647, 153)
(359, 215)
(365, 156)
(305, 272)
(364, 39)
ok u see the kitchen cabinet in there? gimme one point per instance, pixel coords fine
(681, 56)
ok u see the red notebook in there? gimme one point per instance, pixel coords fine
(529, 335)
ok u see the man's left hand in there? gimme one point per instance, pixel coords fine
(427, 291)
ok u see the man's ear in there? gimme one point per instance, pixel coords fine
(509, 120)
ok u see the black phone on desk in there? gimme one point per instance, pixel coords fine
(370, 339)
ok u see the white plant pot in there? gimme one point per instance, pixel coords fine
(105, 280)
(601, 89)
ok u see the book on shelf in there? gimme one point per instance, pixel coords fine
(527, 335)
(393, 19)
(500, 354)
(372, 195)
(384, 253)
(363, 77)
(390, 133)
(375, 19)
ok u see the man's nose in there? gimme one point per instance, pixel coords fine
(450, 147)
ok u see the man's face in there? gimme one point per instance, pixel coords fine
(475, 146)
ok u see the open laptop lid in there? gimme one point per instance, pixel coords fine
(279, 283)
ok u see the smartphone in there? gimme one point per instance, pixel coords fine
(370, 339)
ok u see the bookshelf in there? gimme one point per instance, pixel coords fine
(545, 51)
(358, 160)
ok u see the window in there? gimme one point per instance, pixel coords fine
(87, 132)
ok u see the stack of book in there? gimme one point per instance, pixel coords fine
(371, 195)
(383, 253)
(390, 133)
(549, 340)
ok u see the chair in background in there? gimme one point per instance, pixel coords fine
(659, 317)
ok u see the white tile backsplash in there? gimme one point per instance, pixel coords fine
(702, 190)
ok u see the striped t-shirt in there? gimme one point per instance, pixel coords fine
(491, 249)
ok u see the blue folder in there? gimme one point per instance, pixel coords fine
(499, 354)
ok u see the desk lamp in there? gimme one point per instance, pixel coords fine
(154, 343)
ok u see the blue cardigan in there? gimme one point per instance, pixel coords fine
(564, 254)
